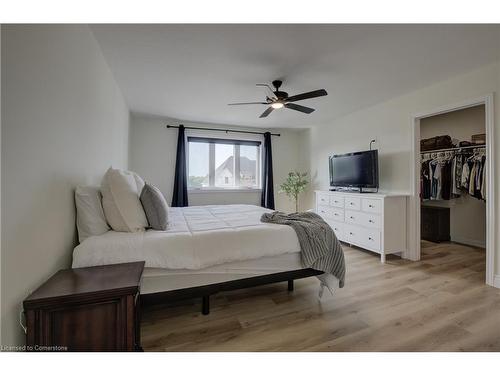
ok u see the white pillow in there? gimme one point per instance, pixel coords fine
(120, 200)
(90, 220)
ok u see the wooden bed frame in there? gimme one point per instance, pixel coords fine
(205, 291)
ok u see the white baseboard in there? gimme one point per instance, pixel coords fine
(496, 281)
(469, 241)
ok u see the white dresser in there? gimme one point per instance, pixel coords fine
(373, 221)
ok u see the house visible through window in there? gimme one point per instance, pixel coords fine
(215, 163)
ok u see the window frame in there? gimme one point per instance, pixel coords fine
(236, 141)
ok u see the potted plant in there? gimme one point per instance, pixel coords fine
(295, 183)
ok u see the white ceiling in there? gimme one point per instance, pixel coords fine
(191, 72)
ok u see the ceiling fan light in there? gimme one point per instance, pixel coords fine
(277, 105)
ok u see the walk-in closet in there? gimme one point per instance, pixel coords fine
(453, 181)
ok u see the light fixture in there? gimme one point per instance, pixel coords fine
(277, 105)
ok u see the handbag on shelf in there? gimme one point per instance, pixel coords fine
(436, 143)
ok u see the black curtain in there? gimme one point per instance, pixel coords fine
(267, 198)
(180, 196)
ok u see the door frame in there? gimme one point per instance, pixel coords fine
(413, 252)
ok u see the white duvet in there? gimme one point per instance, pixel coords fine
(197, 237)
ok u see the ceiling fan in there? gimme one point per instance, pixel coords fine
(280, 99)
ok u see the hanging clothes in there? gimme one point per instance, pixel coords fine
(472, 177)
(465, 177)
(425, 181)
(447, 175)
(457, 174)
(446, 184)
(435, 179)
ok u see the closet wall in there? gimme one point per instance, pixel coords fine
(467, 214)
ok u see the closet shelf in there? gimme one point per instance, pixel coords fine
(452, 149)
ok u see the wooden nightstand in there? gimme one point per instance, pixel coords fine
(86, 309)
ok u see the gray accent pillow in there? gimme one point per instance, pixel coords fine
(155, 206)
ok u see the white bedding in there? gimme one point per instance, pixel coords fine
(197, 237)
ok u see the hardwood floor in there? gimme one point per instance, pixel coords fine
(438, 304)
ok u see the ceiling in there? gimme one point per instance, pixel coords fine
(191, 72)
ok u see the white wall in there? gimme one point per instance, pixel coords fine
(64, 122)
(460, 125)
(389, 123)
(1, 342)
(153, 152)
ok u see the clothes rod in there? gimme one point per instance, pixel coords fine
(222, 130)
(451, 149)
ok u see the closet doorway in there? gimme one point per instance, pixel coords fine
(453, 197)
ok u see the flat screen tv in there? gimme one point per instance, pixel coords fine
(354, 170)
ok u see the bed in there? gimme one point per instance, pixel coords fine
(205, 249)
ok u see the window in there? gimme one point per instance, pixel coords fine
(215, 163)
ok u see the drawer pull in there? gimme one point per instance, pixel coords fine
(335, 228)
(351, 233)
(336, 214)
(370, 205)
(352, 217)
(370, 221)
(335, 201)
(371, 239)
(352, 204)
(322, 211)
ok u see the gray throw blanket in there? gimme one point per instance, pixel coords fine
(320, 248)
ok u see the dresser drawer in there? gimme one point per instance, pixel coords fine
(332, 213)
(352, 203)
(325, 211)
(338, 228)
(370, 239)
(372, 205)
(362, 237)
(337, 201)
(352, 234)
(362, 218)
(337, 214)
(323, 199)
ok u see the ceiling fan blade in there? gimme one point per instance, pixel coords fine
(248, 103)
(307, 95)
(299, 108)
(271, 92)
(266, 112)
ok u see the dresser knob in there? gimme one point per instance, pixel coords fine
(350, 233)
(371, 239)
(370, 221)
(352, 217)
(370, 206)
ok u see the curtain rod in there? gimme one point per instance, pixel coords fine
(222, 130)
